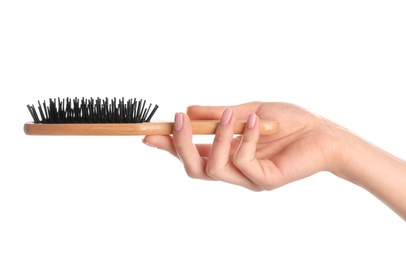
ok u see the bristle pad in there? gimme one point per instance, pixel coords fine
(71, 111)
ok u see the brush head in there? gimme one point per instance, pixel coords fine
(76, 111)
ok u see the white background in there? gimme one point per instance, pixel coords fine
(115, 198)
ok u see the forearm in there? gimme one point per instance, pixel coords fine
(375, 170)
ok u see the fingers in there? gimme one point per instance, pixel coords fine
(244, 158)
(221, 160)
(260, 172)
(220, 153)
(187, 152)
(219, 164)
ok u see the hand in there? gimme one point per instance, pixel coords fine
(305, 144)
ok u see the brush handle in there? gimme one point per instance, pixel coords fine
(199, 127)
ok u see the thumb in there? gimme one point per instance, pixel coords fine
(241, 111)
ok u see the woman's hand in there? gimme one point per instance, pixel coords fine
(304, 145)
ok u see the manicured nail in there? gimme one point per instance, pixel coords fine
(251, 120)
(178, 124)
(225, 118)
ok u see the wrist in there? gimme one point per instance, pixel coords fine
(371, 168)
(358, 160)
(346, 155)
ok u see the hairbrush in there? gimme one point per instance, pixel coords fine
(96, 116)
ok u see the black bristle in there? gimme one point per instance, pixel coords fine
(41, 112)
(60, 111)
(33, 113)
(152, 113)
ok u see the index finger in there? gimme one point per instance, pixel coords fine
(194, 164)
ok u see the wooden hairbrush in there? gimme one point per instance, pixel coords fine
(114, 117)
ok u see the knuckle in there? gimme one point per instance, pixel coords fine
(213, 171)
(239, 161)
(257, 188)
(268, 187)
(220, 138)
(194, 174)
(248, 138)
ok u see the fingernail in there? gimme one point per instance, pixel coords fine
(225, 118)
(178, 124)
(251, 120)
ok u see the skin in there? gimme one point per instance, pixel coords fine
(305, 144)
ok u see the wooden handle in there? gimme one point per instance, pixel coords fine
(199, 127)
